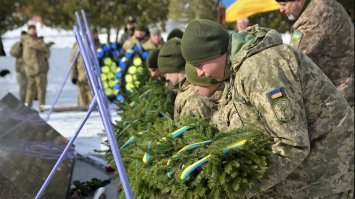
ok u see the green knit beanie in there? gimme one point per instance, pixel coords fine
(193, 78)
(152, 59)
(170, 59)
(204, 40)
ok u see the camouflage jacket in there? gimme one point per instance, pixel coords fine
(78, 72)
(16, 51)
(189, 102)
(45, 57)
(129, 43)
(149, 45)
(33, 51)
(311, 124)
(325, 33)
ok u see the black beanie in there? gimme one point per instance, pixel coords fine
(204, 40)
(152, 59)
(175, 33)
(170, 59)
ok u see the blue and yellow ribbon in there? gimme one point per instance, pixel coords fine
(194, 166)
(180, 131)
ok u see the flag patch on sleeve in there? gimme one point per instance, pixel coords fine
(276, 93)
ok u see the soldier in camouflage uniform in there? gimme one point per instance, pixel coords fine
(324, 31)
(79, 77)
(128, 30)
(171, 65)
(204, 97)
(277, 87)
(33, 51)
(152, 63)
(188, 101)
(16, 51)
(137, 37)
(155, 40)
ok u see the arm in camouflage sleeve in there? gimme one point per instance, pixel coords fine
(196, 105)
(283, 117)
(37, 45)
(191, 103)
(314, 31)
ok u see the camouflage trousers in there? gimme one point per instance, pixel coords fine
(22, 82)
(84, 94)
(37, 82)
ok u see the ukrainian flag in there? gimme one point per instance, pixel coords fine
(277, 93)
(245, 8)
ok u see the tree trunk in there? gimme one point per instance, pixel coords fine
(108, 34)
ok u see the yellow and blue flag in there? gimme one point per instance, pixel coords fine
(277, 93)
(245, 8)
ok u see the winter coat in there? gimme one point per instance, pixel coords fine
(325, 33)
(278, 88)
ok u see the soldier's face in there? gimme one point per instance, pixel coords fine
(139, 34)
(32, 32)
(212, 68)
(156, 38)
(292, 9)
(154, 72)
(173, 79)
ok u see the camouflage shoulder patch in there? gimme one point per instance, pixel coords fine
(296, 39)
(280, 104)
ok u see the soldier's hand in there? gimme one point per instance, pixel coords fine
(74, 81)
(4, 72)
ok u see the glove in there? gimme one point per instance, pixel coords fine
(74, 81)
(4, 72)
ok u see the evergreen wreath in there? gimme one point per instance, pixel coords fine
(192, 159)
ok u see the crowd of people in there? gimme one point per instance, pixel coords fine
(301, 93)
(32, 55)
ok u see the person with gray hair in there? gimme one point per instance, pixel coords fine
(242, 24)
(155, 40)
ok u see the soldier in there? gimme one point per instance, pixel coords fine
(203, 98)
(155, 40)
(172, 67)
(242, 24)
(323, 31)
(128, 30)
(33, 52)
(79, 78)
(276, 87)
(152, 63)
(16, 51)
(137, 37)
(78, 73)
